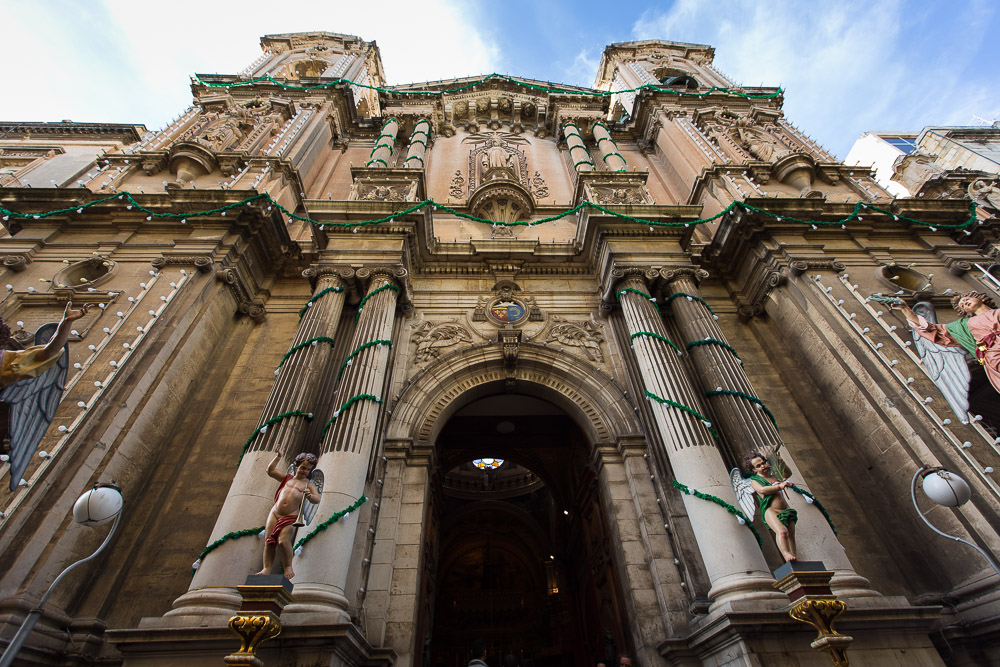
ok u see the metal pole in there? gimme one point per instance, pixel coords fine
(913, 496)
(7, 659)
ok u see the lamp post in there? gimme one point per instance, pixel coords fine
(101, 504)
(947, 489)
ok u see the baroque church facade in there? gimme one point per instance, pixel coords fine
(528, 330)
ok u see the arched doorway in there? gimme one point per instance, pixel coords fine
(519, 552)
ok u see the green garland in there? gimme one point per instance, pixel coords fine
(306, 343)
(236, 534)
(722, 503)
(680, 406)
(607, 155)
(714, 341)
(563, 91)
(126, 196)
(815, 501)
(371, 294)
(658, 337)
(358, 350)
(379, 144)
(334, 518)
(246, 532)
(346, 405)
(752, 399)
(273, 420)
(633, 291)
(316, 297)
(690, 297)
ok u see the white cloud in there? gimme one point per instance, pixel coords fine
(126, 61)
(583, 69)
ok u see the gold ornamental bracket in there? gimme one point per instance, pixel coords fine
(258, 620)
(807, 585)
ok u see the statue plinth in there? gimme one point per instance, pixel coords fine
(807, 585)
(264, 596)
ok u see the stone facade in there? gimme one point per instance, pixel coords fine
(308, 260)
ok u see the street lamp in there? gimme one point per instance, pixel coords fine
(99, 505)
(947, 489)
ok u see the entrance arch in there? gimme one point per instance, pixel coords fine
(575, 569)
(587, 394)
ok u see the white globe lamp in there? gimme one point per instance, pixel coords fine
(99, 505)
(946, 488)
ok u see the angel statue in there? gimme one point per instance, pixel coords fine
(295, 504)
(977, 331)
(769, 488)
(32, 383)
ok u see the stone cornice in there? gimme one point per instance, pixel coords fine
(119, 132)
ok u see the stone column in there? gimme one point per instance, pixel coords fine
(385, 145)
(733, 561)
(296, 388)
(418, 145)
(321, 569)
(745, 423)
(613, 160)
(581, 157)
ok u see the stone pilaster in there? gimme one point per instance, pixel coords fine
(418, 145)
(296, 388)
(612, 159)
(745, 423)
(322, 567)
(577, 149)
(733, 561)
(385, 145)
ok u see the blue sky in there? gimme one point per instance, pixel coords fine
(847, 66)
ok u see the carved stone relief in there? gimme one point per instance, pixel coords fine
(457, 187)
(618, 194)
(431, 339)
(384, 189)
(538, 186)
(583, 335)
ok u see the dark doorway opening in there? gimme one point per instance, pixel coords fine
(518, 552)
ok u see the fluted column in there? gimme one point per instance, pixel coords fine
(733, 561)
(577, 149)
(746, 423)
(294, 396)
(385, 145)
(418, 145)
(613, 160)
(321, 569)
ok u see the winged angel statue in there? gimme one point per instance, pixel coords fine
(944, 364)
(295, 504)
(766, 482)
(32, 382)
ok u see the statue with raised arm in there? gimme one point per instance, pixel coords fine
(290, 499)
(31, 384)
(769, 490)
(977, 330)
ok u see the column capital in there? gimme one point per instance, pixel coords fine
(342, 274)
(395, 274)
(619, 276)
(669, 275)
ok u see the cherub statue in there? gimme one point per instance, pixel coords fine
(769, 489)
(976, 330)
(32, 382)
(294, 504)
